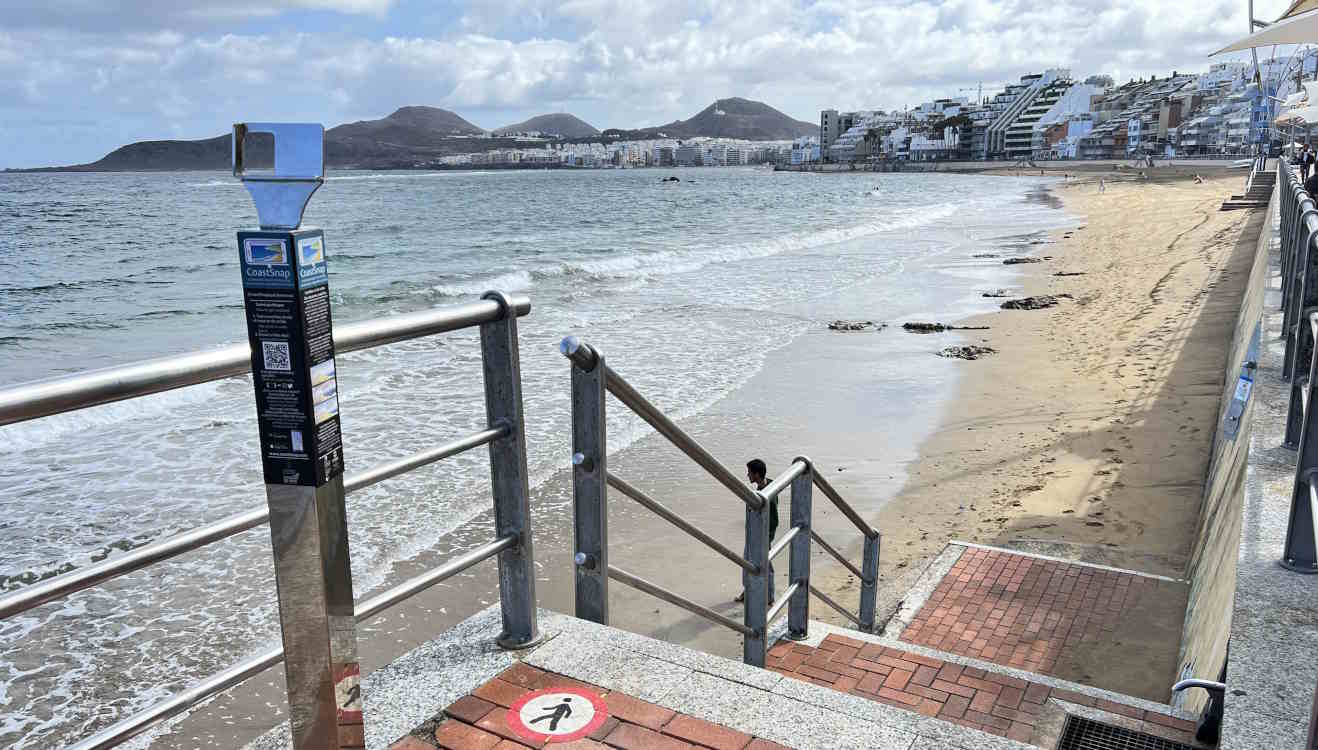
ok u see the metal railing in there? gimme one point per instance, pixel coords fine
(592, 380)
(496, 316)
(1299, 303)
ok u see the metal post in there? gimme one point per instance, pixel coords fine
(1295, 410)
(798, 611)
(1306, 296)
(1301, 551)
(756, 585)
(502, 367)
(869, 587)
(590, 490)
(290, 332)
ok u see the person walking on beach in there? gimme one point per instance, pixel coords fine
(1102, 186)
(757, 473)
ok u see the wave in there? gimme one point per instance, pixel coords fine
(630, 267)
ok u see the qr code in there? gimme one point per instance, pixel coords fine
(276, 355)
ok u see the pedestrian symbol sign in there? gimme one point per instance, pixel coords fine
(557, 714)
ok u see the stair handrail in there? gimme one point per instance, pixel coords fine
(592, 381)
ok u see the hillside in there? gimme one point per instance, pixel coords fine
(739, 118)
(563, 125)
(408, 135)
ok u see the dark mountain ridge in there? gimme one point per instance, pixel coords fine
(419, 134)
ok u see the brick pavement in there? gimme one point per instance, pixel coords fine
(993, 703)
(1029, 613)
(477, 721)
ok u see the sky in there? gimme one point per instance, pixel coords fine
(79, 78)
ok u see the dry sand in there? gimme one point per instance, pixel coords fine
(1088, 434)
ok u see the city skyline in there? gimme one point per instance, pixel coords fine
(77, 81)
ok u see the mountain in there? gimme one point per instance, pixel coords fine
(563, 125)
(408, 135)
(739, 118)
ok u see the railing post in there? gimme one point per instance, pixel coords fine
(1301, 551)
(1295, 410)
(1305, 284)
(869, 588)
(590, 491)
(798, 610)
(756, 585)
(501, 359)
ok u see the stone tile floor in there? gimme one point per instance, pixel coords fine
(479, 721)
(997, 704)
(1056, 618)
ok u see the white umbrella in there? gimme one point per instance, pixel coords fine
(1299, 29)
(1302, 116)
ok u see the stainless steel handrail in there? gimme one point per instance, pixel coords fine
(74, 581)
(838, 607)
(586, 358)
(417, 460)
(843, 506)
(44, 398)
(657, 591)
(784, 480)
(144, 720)
(655, 507)
(782, 544)
(780, 606)
(836, 555)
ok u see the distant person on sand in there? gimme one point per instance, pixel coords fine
(1102, 186)
(757, 473)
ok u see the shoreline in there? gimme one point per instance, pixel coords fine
(1088, 435)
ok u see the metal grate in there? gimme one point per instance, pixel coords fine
(1084, 734)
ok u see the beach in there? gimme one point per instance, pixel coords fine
(1088, 435)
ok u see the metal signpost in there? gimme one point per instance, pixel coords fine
(286, 294)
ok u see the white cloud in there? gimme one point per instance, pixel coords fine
(163, 68)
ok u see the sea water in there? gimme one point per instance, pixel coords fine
(103, 269)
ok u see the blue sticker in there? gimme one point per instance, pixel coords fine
(311, 267)
(266, 263)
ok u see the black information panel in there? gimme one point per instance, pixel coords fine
(286, 292)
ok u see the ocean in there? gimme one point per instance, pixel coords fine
(724, 267)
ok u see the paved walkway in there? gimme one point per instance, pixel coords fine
(484, 719)
(995, 703)
(1115, 630)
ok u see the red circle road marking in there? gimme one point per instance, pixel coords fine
(521, 728)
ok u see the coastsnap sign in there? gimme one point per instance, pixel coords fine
(561, 714)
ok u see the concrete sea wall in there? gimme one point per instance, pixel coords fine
(1212, 568)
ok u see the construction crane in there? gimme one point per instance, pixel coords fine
(979, 96)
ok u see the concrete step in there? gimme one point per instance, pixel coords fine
(1234, 205)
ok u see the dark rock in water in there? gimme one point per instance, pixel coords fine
(1070, 273)
(855, 325)
(1018, 261)
(1034, 303)
(997, 293)
(939, 327)
(974, 351)
(670, 179)
(924, 327)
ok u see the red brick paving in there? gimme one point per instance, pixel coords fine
(479, 722)
(1021, 611)
(993, 703)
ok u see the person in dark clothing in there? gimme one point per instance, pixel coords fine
(757, 473)
(1311, 185)
(1306, 162)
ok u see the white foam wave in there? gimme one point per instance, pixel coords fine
(404, 176)
(516, 281)
(38, 432)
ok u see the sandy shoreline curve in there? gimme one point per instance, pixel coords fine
(1087, 435)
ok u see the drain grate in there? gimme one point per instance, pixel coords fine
(1084, 734)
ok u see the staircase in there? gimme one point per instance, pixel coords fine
(1256, 195)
